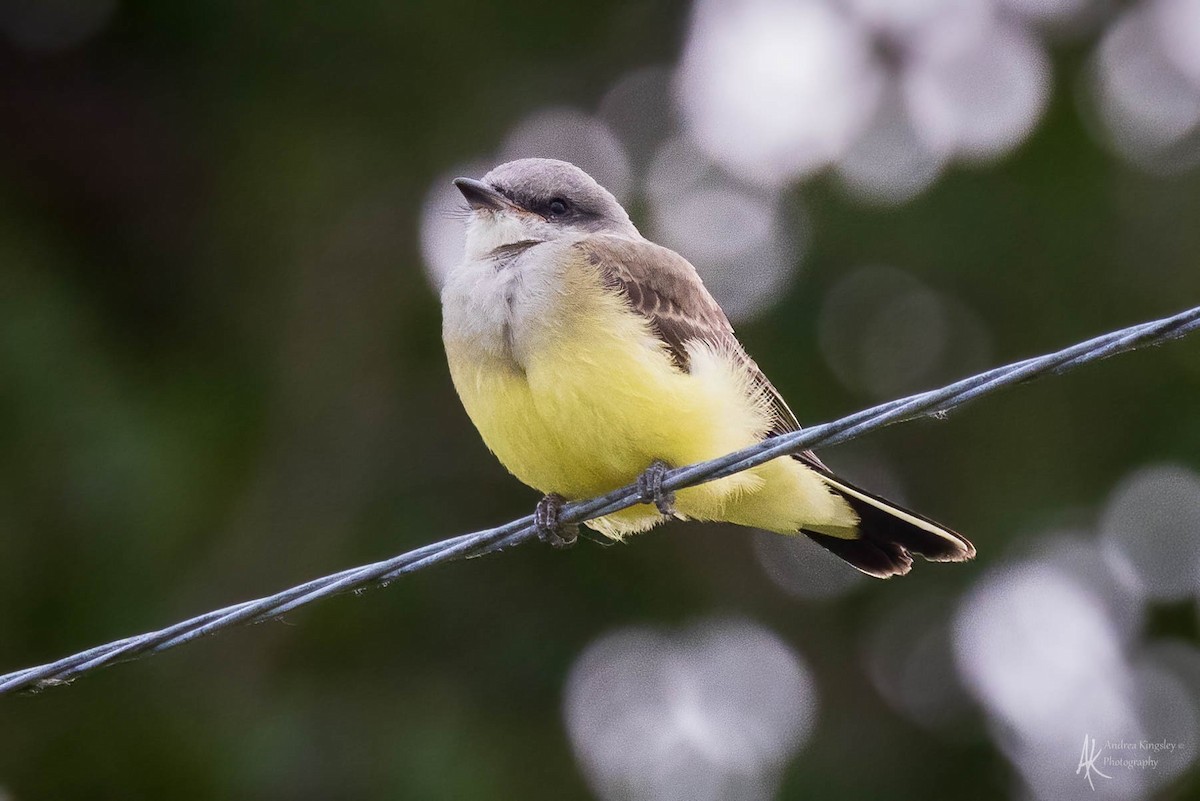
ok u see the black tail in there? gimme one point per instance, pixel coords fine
(888, 535)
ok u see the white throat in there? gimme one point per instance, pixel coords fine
(490, 230)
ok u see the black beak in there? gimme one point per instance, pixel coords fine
(481, 196)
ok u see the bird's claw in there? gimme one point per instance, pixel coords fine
(651, 490)
(550, 528)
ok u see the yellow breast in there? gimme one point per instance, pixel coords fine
(579, 398)
(579, 416)
(598, 399)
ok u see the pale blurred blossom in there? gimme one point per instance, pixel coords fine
(922, 28)
(803, 569)
(890, 162)
(1177, 22)
(1049, 647)
(886, 91)
(885, 333)
(909, 657)
(775, 89)
(981, 98)
(1145, 81)
(1060, 18)
(1150, 532)
(744, 241)
(966, 82)
(711, 713)
(1041, 655)
(637, 108)
(443, 222)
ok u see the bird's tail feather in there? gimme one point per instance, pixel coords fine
(887, 535)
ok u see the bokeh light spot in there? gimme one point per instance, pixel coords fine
(884, 333)
(910, 660)
(741, 241)
(803, 569)
(773, 90)
(443, 222)
(890, 162)
(1151, 531)
(711, 713)
(981, 98)
(1149, 108)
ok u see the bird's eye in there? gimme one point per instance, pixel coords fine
(557, 207)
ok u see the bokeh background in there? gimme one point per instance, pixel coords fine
(222, 227)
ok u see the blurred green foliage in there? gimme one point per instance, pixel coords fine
(220, 374)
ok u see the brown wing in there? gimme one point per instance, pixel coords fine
(664, 287)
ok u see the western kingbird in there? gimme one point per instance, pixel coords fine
(589, 358)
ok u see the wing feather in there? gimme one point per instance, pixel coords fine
(665, 288)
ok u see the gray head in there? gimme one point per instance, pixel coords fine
(538, 200)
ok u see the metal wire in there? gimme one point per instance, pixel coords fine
(272, 607)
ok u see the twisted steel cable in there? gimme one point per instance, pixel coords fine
(274, 606)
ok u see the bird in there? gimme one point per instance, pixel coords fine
(590, 358)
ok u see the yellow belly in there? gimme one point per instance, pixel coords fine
(592, 410)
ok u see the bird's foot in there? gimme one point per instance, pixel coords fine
(550, 528)
(651, 490)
